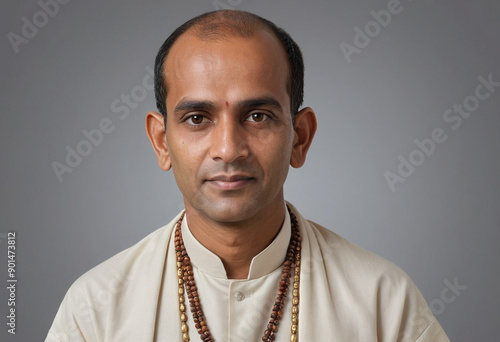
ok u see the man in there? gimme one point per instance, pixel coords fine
(239, 264)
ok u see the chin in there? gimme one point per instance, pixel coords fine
(229, 210)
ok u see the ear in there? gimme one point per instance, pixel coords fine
(304, 127)
(155, 128)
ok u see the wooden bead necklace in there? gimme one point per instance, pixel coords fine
(186, 281)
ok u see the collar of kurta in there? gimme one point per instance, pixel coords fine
(262, 264)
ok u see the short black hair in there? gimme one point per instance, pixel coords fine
(226, 24)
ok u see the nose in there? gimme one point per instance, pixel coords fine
(228, 140)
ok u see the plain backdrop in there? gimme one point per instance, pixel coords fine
(375, 93)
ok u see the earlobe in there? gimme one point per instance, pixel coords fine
(155, 130)
(304, 127)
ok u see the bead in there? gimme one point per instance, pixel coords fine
(186, 278)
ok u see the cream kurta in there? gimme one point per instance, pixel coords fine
(346, 294)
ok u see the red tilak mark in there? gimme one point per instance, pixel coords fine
(227, 104)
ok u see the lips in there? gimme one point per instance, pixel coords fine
(229, 178)
(230, 182)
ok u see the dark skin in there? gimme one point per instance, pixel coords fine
(230, 140)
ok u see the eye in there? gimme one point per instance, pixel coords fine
(258, 117)
(196, 119)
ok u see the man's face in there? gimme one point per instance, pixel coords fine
(229, 129)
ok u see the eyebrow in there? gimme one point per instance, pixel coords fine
(260, 101)
(187, 105)
(193, 105)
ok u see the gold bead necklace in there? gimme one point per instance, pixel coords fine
(186, 283)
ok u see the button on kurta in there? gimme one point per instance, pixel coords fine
(239, 296)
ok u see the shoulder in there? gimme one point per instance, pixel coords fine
(122, 265)
(97, 297)
(347, 262)
(368, 286)
(361, 270)
(338, 251)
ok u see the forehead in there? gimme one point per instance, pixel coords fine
(259, 60)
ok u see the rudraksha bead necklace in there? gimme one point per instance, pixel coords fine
(186, 281)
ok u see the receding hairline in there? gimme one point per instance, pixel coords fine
(226, 25)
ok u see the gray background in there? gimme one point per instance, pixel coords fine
(441, 224)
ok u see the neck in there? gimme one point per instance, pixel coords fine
(237, 243)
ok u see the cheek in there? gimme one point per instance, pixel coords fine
(187, 157)
(275, 154)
